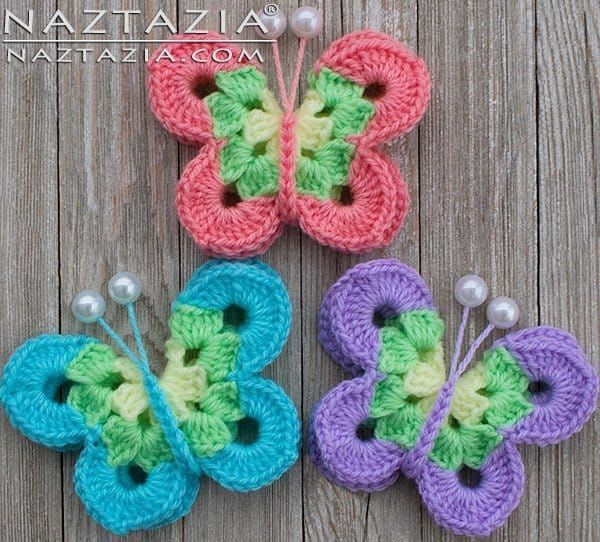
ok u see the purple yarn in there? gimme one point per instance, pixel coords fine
(346, 328)
(348, 333)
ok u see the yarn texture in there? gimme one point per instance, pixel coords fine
(145, 440)
(533, 386)
(261, 167)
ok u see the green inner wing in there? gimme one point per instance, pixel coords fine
(246, 115)
(332, 110)
(201, 353)
(490, 395)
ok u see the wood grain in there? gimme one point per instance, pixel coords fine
(504, 178)
(568, 79)
(30, 479)
(115, 211)
(478, 169)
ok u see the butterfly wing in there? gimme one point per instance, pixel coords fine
(336, 447)
(563, 385)
(534, 386)
(474, 511)
(31, 388)
(348, 326)
(267, 439)
(125, 499)
(365, 89)
(226, 195)
(69, 392)
(349, 330)
(244, 430)
(252, 298)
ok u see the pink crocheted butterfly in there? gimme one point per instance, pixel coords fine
(400, 414)
(261, 166)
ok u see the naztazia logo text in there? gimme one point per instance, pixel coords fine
(126, 36)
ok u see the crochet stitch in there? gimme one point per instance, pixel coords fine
(260, 166)
(145, 441)
(399, 413)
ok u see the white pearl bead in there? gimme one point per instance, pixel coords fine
(306, 22)
(503, 312)
(471, 291)
(275, 24)
(88, 306)
(124, 288)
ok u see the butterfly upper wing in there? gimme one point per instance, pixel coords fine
(226, 195)
(351, 336)
(381, 288)
(564, 385)
(365, 89)
(31, 386)
(248, 304)
(393, 77)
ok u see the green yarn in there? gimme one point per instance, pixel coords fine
(334, 110)
(249, 169)
(320, 172)
(201, 354)
(491, 395)
(242, 114)
(246, 116)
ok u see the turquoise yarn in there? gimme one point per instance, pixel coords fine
(112, 495)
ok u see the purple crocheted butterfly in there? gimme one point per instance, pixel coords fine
(401, 414)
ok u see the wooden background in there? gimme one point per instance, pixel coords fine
(503, 173)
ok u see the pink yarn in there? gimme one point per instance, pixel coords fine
(380, 197)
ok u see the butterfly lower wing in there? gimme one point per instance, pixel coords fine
(123, 499)
(474, 511)
(218, 220)
(563, 387)
(370, 209)
(335, 446)
(31, 388)
(267, 442)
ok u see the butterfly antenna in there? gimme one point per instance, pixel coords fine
(139, 343)
(89, 307)
(306, 22)
(297, 72)
(459, 338)
(280, 79)
(116, 338)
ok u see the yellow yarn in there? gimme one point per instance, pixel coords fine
(312, 131)
(423, 381)
(262, 125)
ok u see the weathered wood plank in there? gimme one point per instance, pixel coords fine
(96, 196)
(568, 77)
(30, 486)
(116, 210)
(275, 512)
(331, 512)
(478, 171)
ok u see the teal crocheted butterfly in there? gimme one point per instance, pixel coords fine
(145, 440)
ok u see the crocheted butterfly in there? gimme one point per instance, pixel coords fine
(145, 441)
(261, 166)
(399, 413)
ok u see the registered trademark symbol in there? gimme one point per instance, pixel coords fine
(271, 10)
